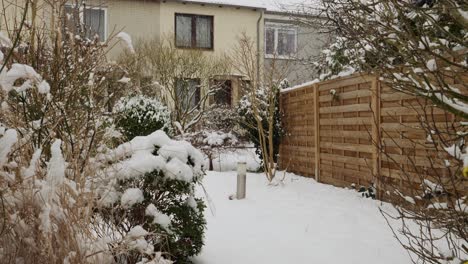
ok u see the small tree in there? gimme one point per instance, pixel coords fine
(261, 100)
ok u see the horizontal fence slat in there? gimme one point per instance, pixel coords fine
(346, 121)
(345, 108)
(347, 146)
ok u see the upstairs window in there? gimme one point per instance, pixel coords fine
(91, 21)
(280, 40)
(193, 31)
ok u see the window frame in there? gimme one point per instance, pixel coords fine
(193, 31)
(277, 26)
(81, 10)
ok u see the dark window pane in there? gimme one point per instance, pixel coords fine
(71, 19)
(223, 95)
(270, 41)
(183, 31)
(203, 32)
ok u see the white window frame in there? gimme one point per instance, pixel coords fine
(277, 27)
(81, 14)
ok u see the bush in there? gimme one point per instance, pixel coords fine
(221, 118)
(156, 190)
(140, 116)
(248, 123)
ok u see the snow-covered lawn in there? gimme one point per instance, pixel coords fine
(299, 222)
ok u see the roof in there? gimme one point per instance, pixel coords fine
(269, 5)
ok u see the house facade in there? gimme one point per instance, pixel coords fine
(212, 26)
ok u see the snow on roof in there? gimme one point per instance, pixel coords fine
(269, 5)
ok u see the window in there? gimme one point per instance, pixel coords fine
(280, 40)
(93, 20)
(193, 31)
(187, 93)
(223, 94)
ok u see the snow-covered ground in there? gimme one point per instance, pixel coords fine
(300, 221)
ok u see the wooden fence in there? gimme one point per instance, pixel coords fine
(335, 130)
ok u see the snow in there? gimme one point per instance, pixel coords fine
(217, 138)
(124, 80)
(298, 221)
(269, 5)
(463, 12)
(4, 40)
(127, 41)
(57, 165)
(137, 232)
(299, 86)
(131, 196)
(43, 87)
(44, 216)
(137, 241)
(174, 151)
(29, 172)
(10, 137)
(158, 217)
(176, 169)
(432, 186)
(137, 165)
(19, 71)
(431, 65)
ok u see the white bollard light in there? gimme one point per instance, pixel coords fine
(241, 179)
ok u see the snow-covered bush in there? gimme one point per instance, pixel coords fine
(140, 115)
(221, 118)
(150, 186)
(54, 95)
(46, 214)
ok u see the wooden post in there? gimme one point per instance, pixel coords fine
(376, 133)
(241, 179)
(317, 131)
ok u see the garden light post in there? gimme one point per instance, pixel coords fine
(241, 179)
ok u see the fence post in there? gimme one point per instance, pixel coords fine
(376, 133)
(317, 131)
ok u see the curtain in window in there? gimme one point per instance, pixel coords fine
(270, 41)
(203, 33)
(286, 42)
(94, 21)
(71, 19)
(184, 31)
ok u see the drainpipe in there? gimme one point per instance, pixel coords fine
(259, 45)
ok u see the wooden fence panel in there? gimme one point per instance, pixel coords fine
(297, 150)
(336, 129)
(345, 106)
